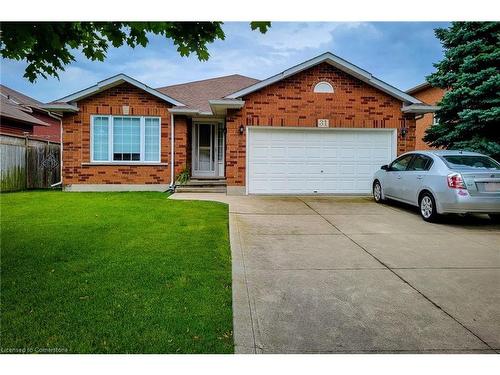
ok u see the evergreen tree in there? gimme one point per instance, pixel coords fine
(469, 114)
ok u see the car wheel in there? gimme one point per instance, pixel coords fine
(427, 206)
(495, 217)
(377, 192)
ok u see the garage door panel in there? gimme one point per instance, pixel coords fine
(259, 169)
(260, 152)
(296, 152)
(306, 161)
(380, 153)
(277, 152)
(314, 151)
(346, 153)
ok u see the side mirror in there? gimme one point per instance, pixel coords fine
(385, 167)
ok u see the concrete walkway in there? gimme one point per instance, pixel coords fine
(345, 275)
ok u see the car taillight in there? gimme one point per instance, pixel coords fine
(455, 181)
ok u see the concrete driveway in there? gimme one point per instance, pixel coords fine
(343, 274)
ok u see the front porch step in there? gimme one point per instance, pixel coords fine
(195, 185)
(200, 189)
(198, 182)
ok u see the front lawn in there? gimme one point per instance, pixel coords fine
(114, 273)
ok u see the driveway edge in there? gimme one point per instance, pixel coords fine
(244, 340)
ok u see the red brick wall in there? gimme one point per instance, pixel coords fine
(50, 133)
(182, 143)
(9, 126)
(292, 102)
(429, 95)
(76, 139)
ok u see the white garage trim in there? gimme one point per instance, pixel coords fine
(252, 130)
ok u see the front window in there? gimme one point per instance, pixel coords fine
(125, 139)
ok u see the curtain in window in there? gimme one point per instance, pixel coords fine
(126, 138)
(152, 139)
(101, 140)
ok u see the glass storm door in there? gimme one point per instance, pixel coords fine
(204, 150)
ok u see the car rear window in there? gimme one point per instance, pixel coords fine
(471, 161)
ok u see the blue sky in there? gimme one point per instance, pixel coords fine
(400, 53)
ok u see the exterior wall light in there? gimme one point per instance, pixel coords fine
(404, 131)
(242, 129)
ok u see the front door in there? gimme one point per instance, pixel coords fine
(208, 150)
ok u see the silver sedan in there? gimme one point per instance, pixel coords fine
(442, 182)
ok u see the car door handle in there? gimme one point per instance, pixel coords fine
(398, 177)
(420, 177)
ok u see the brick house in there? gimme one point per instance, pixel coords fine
(21, 115)
(430, 95)
(323, 126)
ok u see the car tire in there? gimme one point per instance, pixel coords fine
(495, 217)
(377, 192)
(427, 206)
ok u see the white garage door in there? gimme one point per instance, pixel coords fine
(309, 161)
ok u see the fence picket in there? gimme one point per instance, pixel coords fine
(28, 163)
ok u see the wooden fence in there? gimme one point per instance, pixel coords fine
(28, 163)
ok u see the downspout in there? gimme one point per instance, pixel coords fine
(60, 153)
(172, 154)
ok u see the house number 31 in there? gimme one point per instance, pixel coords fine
(323, 123)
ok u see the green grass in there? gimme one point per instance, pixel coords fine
(114, 273)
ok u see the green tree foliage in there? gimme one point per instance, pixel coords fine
(469, 114)
(48, 46)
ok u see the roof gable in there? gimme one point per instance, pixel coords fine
(415, 89)
(115, 81)
(340, 64)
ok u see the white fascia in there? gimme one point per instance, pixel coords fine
(184, 111)
(60, 107)
(419, 108)
(114, 81)
(220, 106)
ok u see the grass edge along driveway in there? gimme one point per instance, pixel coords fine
(114, 273)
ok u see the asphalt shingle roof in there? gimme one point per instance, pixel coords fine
(197, 94)
(19, 97)
(17, 106)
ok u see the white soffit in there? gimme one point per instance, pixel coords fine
(419, 108)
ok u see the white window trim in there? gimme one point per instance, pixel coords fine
(110, 141)
(326, 83)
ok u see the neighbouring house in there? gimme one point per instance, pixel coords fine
(30, 143)
(323, 126)
(430, 95)
(21, 115)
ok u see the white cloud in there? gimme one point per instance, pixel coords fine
(312, 35)
(154, 71)
(74, 77)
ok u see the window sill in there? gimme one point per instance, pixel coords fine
(118, 163)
